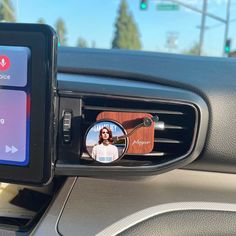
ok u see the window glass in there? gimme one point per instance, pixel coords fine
(173, 26)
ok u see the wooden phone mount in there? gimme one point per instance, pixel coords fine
(139, 127)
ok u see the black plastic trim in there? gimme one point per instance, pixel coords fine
(42, 41)
(76, 86)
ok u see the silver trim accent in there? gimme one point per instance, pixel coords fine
(159, 154)
(143, 215)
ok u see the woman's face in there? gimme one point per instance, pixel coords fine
(105, 134)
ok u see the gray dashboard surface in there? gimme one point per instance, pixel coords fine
(212, 78)
(186, 223)
(95, 204)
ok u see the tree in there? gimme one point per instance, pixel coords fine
(7, 12)
(61, 31)
(82, 43)
(126, 31)
(41, 20)
(194, 50)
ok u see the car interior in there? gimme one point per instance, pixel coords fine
(166, 120)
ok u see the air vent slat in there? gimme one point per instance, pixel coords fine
(159, 154)
(176, 138)
(174, 127)
(163, 140)
(99, 108)
(151, 154)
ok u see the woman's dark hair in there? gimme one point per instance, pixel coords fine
(110, 135)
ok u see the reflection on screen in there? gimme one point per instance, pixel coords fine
(14, 105)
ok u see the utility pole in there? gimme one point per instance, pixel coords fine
(172, 40)
(202, 30)
(204, 14)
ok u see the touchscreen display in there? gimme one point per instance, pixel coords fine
(14, 105)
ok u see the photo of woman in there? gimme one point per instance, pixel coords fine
(105, 151)
(100, 143)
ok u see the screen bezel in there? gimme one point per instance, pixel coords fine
(42, 42)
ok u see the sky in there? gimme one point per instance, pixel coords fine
(94, 20)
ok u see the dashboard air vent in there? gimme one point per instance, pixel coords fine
(175, 133)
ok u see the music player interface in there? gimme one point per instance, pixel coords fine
(14, 123)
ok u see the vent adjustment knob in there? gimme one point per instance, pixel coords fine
(66, 129)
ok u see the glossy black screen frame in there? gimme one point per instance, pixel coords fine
(42, 42)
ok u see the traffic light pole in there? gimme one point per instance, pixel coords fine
(202, 31)
(198, 10)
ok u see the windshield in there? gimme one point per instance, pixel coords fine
(197, 27)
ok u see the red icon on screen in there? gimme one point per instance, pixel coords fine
(4, 63)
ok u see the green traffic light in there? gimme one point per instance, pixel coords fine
(227, 46)
(227, 49)
(143, 6)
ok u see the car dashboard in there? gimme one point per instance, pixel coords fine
(188, 178)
